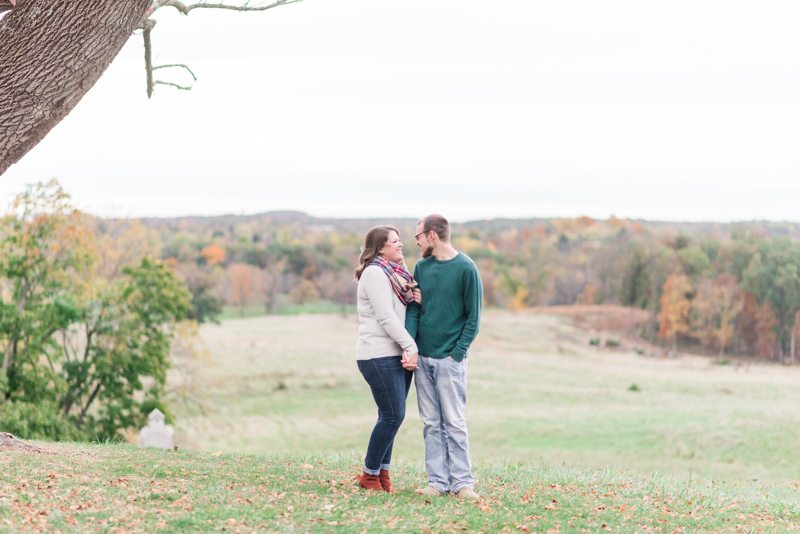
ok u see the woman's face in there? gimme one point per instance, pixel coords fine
(393, 249)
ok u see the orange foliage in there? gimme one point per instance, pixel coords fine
(213, 254)
(241, 281)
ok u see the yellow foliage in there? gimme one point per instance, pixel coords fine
(518, 302)
(676, 307)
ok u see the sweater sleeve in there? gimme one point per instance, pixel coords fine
(380, 294)
(413, 311)
(473, 298)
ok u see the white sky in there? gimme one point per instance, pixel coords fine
(673, 111)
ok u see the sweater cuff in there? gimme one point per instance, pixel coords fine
(411, 348)
(458, 354)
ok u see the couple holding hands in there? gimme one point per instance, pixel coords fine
(418, 327)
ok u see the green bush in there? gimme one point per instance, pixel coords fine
(40, 421)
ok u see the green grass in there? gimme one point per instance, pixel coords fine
(538, 392)
(120, 488)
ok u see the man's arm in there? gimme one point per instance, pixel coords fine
(413, 311)
(473, 299)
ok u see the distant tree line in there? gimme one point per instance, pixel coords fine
(710, 288)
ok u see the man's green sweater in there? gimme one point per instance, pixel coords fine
(447, 322)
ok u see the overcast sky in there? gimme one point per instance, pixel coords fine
(353, 108)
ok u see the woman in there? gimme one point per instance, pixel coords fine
(385, 288)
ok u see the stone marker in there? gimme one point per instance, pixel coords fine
(156, 434)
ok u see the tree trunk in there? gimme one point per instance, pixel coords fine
(52, 53)
(794, 332)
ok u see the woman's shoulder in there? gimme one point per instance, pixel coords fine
(372, 272)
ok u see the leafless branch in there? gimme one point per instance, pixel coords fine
(183, 8)
(181, 65)
(148, 24)
(181, 87)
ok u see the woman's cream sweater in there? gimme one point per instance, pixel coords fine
(382, 317)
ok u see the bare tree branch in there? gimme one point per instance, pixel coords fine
(181, 65)
(147, 27)
(183, 8)
(181, 87)
(148, 24)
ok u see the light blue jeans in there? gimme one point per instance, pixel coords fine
(441, 397)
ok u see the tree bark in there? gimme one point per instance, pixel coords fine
(52, 53)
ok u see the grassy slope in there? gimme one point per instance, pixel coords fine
(537, 392)
(114, 488)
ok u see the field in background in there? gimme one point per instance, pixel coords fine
(259, 310)
(537, 392)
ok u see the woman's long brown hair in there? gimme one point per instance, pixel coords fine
(373, 243)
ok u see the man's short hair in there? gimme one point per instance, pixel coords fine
(438, 224)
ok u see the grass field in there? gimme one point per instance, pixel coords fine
(122, 489)
(538, 392)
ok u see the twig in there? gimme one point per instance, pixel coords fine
(181, 87)
(181, 65)
(183, 8)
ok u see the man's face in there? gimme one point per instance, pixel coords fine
(424, 242)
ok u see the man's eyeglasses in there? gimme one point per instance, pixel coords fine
(419, 234)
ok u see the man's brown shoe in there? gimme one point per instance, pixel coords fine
(468, 493)
(429, 491)
(386, 484)
(370, 482)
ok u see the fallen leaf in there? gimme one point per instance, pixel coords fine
(217, 453)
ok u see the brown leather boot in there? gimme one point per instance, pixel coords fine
(386, 484)
(370, 482)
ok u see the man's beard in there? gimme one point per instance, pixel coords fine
(427, 252)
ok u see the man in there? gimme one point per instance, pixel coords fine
(444, 326)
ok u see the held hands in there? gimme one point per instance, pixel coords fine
(417, 296)
(409, 361)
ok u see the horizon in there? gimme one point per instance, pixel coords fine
(452, 221)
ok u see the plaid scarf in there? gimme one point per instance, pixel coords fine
(401, 279)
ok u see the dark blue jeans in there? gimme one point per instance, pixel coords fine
(389, 383)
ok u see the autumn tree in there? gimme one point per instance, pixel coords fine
(241, 283)
(703, 312)
(54, 51)
(213, 254)
(676, 305)
(728, 303)
(43, 245)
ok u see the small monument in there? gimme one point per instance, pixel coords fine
(156, 434)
